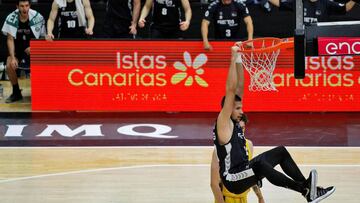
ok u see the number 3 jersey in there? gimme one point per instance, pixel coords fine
(226, 18)
(69, 23)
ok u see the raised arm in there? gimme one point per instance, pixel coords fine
(188, 13)
(224, 124)
(215, 180)
(51, 21)
(144, 12)
(135, 16)
(241, 79)
(90, 17)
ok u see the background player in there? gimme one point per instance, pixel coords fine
(76, 19)
(166, 18)
(20, 26)
(317, 10)
(121, 18)
(226, 16)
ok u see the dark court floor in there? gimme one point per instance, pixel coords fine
(174, 129)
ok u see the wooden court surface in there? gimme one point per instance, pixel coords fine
(152, 174)
(20, 106)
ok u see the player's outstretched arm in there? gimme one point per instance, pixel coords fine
(240, 87)
(224, 124)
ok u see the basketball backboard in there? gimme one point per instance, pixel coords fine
(322, 38)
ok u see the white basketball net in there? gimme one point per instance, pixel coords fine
(260, 66)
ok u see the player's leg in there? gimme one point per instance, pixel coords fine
(11, 71)
(263, 166)
(240, 186)
(322, 193)
(281, 156)
(263, 169)
(16, 93)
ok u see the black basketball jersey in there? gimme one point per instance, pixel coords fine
(226, 18)
(320, 10)
(23, 36)
(120, 9)
(166, 15)
(233, 156)
(69, 23)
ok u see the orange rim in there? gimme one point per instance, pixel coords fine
(270, 44)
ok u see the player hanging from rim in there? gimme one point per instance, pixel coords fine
(238, 173)
(221, 194)
(317, 10)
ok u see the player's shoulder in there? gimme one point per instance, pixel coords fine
(12, 15)
(240, 3)
(332, 2)
(214, 4)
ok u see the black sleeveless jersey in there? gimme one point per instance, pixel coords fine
(320, 10)
(23, 36)
(166, 15)
(120, 9)
(69, 23)
(226, 18)
(233, 156)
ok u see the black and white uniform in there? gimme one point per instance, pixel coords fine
(118, 19)
(234, 161)
(69, 23)
(318, 11)
(22, 42)
(238, 174)
(166, 18)
(226, 18)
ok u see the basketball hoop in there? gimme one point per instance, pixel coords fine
(259, 57)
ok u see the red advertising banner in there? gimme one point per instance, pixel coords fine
(338, 45)
(177, 76)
